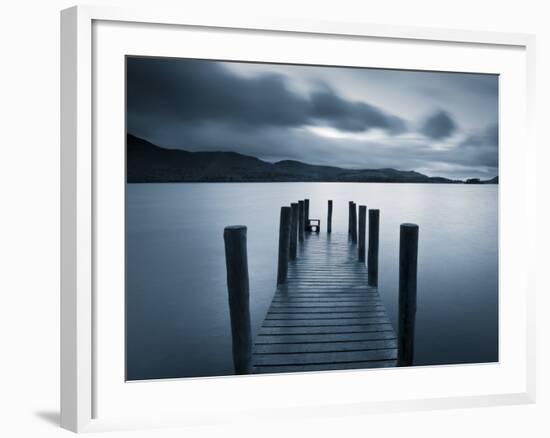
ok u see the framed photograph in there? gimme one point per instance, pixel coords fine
(266, 218)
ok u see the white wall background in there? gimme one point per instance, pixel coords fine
(29, 217)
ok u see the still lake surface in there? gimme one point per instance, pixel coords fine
(177, 308)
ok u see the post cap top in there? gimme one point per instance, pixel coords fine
(409, 225)
(235, 227)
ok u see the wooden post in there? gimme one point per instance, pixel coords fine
(284, 243)
(349, 216)
(329, 217)
(301, 220)
(293, 230)
(306, 213)
(354, 222)
(362, 232)
(238, 289)
(374, 233)
(408, 261)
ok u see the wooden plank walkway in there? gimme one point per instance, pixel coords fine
(325, 317)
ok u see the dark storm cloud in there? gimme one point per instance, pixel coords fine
(439, 126)
(168, 91)
(352, 116)
(192, 91)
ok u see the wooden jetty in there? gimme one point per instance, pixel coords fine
(325, 316)
(326, 313)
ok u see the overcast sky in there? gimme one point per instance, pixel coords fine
(440, 124)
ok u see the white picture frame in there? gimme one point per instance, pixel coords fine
(85, 374)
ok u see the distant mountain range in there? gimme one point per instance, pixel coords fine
(147, 163)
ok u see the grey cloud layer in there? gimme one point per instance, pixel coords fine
(201, 105)
(192, 90)
(483, 145)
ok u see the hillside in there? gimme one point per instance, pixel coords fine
(147, 162)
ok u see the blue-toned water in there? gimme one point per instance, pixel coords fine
(177, 311)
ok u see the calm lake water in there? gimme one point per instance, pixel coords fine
(177, 309)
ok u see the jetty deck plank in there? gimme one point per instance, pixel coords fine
(325, 316)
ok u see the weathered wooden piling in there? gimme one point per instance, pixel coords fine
(306, 213)
(293, 230)
(362, 232)
(284, 244)
(408, 265)
(374, 235)
(301, 220)
(329, 217)
(354, 222)
(349, 216)
(236, 262)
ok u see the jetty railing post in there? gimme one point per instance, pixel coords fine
(293, 230)
(349, 216)
(362, 232)
(408, 264)
(301, 220)
(354, 222)
(306, 213)
(284, 243)
(374, 235)
(329, 217)
(236, 262)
